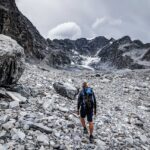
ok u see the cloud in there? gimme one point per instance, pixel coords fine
(114, 18)
(68, 30)
(106, 21)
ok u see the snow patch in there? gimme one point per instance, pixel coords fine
(137, 55)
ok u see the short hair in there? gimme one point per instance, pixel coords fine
(85, 84)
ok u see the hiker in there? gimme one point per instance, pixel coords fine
(86, 107)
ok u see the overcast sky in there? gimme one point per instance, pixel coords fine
(89, 18)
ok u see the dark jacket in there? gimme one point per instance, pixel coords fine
(81, 101)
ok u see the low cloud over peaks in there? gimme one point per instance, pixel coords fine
(110, 18)
(68, 30)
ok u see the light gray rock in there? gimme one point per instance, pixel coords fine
(11, 61)
(43, 138)
(143, 138)
(105, 80)
(14, 104)
(37, 126)
(4, 119)
(2, 147)
(48, 103)
(42, 148)
(130, 140)
(52, 143)
(144, 108)
(63, 109)
(17, 134)
(20, 147)
(66, 90)
(26, 127)
(2, 134)
(9, 125)
(16, 96)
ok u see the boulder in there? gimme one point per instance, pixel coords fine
(16, 97)
(17, 134)
(36, 126)
(11, 61)
(14, 105)
(66, 90)
(43, 139)
(4, 119)
(9, 125)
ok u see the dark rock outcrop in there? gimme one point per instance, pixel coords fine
(14, 24)
(57, 59)
(82, 46)
(66, 90)
(147, 56)
(11, 61)
(119, 53)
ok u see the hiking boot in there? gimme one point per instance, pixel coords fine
(91, 138)
(85, 131)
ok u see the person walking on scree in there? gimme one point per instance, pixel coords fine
(86, 107)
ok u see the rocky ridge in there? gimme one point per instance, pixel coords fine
(99, 52)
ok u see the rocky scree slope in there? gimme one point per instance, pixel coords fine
(44, 120)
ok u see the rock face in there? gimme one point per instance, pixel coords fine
(66, 90)
(147, 56)
(119, 54)
(57, 59)
(11, 61)
(17, 26)
(82, 46)
(125, 53)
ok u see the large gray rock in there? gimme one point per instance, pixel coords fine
(36, 126)
(4, 119)
(17, 134)
(66, 90)
(43, 139)
(11, 61)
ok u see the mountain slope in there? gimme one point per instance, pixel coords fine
(14, 24)
(101, 53)
(125, 53)
(97, 53)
